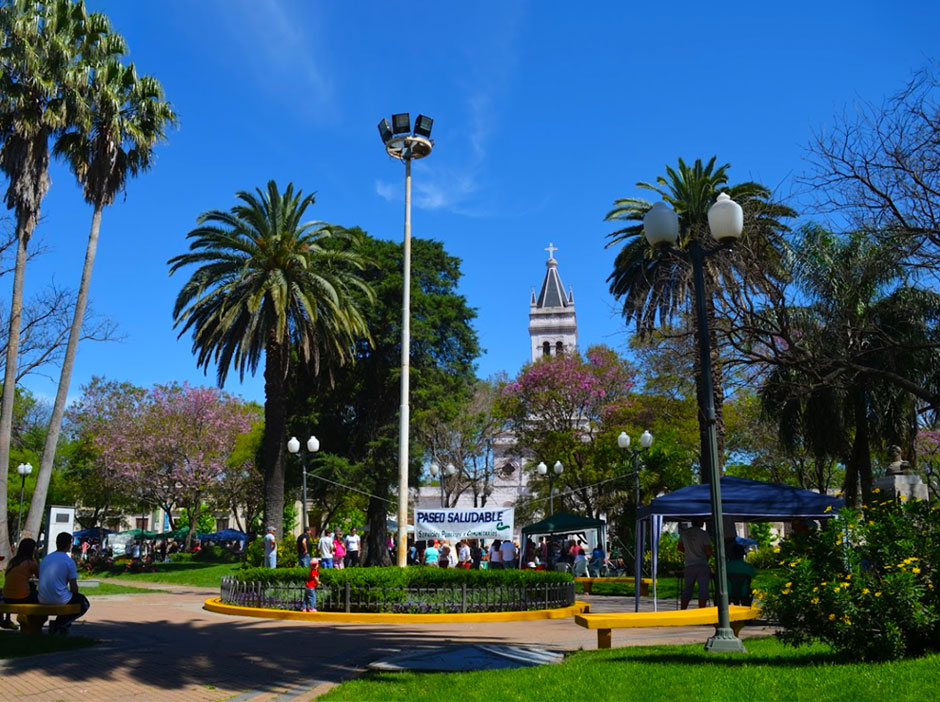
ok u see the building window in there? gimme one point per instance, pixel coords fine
(142, 522)
(559, 349)
(546, 349)
(221, 524)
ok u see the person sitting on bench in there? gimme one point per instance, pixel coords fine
(17, 588)
(58, 583)
(740, 573)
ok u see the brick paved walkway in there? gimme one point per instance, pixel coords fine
(164, 646)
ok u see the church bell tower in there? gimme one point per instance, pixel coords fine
(553, 326)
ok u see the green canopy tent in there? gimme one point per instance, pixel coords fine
(565, 523)
(178, 534)
(139, 534)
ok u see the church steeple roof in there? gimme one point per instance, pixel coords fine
(552, 293)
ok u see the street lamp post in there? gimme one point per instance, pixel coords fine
(23, 469)
(405, 145)
(726, 223)
(293, 446)
(646, 440)
(449, 470)
(557, 469)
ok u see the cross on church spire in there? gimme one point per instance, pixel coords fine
(551, 250)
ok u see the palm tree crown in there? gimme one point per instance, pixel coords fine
(269, 282)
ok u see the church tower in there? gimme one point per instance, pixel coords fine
(553, 326)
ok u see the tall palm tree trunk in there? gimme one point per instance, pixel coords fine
(24, 230)
(275, 419)
(38, 504)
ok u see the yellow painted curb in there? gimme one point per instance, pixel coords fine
(214, 604)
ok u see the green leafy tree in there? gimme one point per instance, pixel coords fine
(119, 118)
(269, 283)
(656, 289)
(43, 47)
(359, 413)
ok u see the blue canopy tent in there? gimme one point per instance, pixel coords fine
(91, 532)
(226, 535)
(742, 500)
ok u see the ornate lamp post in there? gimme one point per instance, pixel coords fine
(23, 469)
(726, 223)
(646, 440)
(557, 469)
(293, 446)
(405, 145)
(449, 470)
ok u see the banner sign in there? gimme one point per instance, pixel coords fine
(453, 524)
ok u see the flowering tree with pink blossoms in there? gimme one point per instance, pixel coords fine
(169, 445)
(564, 408)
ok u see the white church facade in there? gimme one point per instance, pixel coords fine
(553, 330)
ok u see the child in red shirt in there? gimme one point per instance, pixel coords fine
(310, 591)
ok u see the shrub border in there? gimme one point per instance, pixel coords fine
(215, 604)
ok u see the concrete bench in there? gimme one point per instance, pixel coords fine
(32, 617)
(605, 622)
(588, 583)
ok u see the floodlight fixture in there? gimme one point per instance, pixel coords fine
(423, 126)
(385, 130)
(401, 123)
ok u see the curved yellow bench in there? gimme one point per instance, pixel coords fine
(605, 622)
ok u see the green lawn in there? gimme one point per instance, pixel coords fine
(14, 645)
(668, 588)
(769, 671)
(186, 573)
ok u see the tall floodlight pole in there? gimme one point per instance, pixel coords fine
(725, 223)
(405, 145)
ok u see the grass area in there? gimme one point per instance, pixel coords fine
(186, 573)
(770, 671)
(668, 588)
(14, 645)
(113, 589)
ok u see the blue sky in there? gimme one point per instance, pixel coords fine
(544, 114)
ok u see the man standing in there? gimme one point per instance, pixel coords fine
(326, 548)
(352, 548)
(270, 549)
(304, 544)
(58, 583)
(697, 548)
(507, 554)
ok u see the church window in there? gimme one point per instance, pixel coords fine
(559, 349)
(546, 349)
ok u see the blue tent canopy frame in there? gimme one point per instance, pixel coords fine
(742, 500)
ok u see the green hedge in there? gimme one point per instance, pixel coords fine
(411, 577)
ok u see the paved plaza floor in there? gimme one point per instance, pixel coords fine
(164, 646)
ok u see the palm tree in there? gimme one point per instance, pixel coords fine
(42, 51)
(862, 342)
(656, 289)
(269, 282)
(118, 119)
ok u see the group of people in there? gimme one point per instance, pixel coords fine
(696, 546)
(52, 581)
(331, 550)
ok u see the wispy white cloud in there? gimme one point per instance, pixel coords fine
(387, 191)
(282, 51)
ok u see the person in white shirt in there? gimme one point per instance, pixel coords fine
(496, 561)
(58, 583)
(270, 548)
(507, 552)
(463, 554)
(326, 549)
(352, 548)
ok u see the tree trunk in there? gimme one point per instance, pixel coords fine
(275, 419)
(376, 540)
(38, 504)
(858, 466)
(23, 233)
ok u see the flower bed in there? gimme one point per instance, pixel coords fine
(414, 590)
